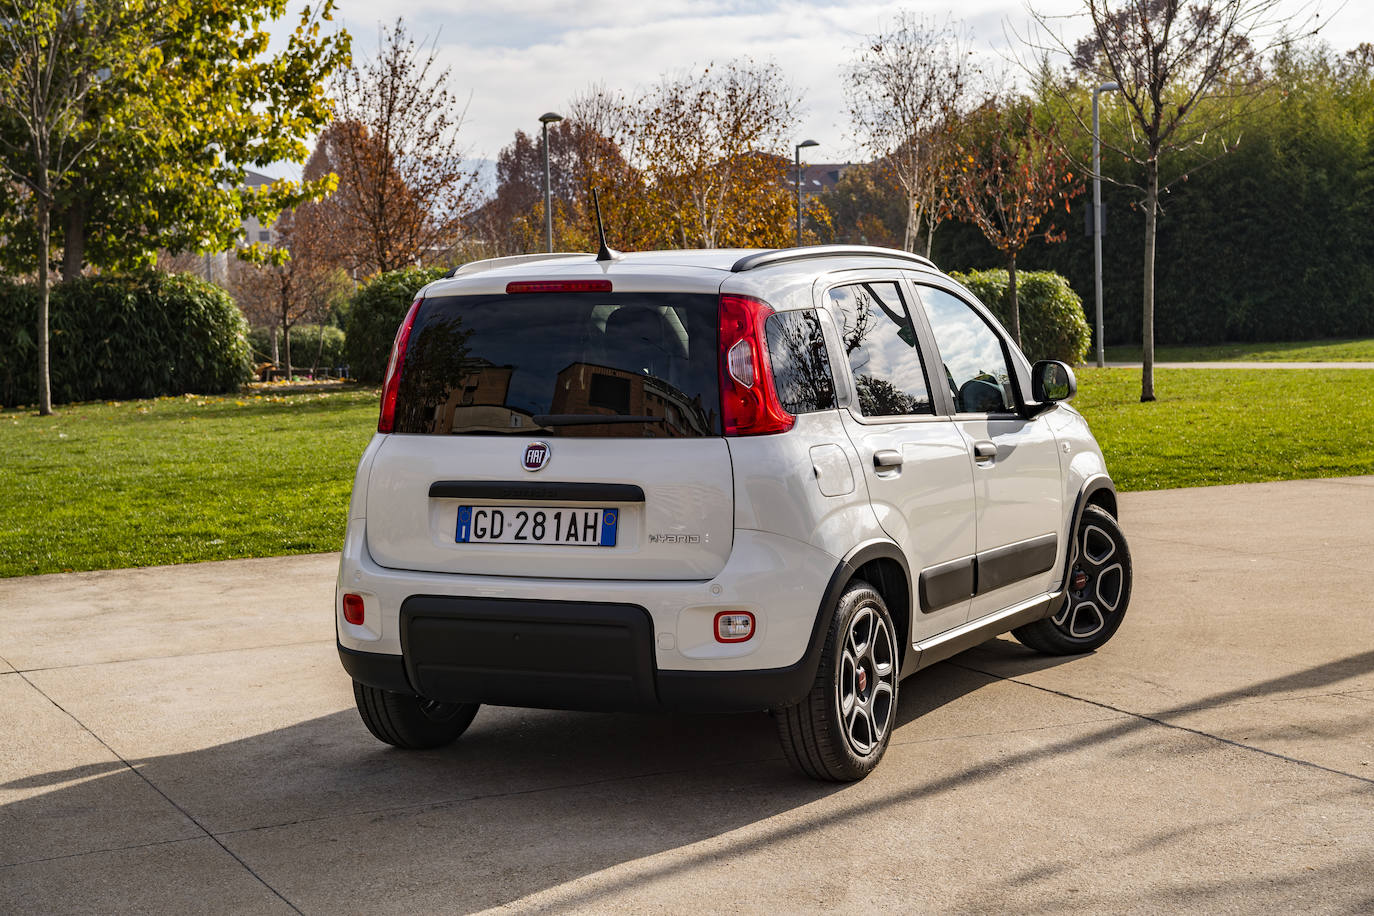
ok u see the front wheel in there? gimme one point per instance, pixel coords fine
(411, 722)
(1099, 590)
(841, 729)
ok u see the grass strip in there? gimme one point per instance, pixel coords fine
(178, 480)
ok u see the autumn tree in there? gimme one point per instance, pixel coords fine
(906, 90)
(1186, 69)
(403, 194)
(302, 286)
(1009, 175)
(713, 150)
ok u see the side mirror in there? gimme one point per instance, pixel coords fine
(1052, 381)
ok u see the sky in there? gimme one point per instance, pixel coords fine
(514, 61)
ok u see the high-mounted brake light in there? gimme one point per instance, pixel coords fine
(386, 421)
(749, 404)
(559, 286)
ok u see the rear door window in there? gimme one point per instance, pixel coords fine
(880, 340)
(565, 364)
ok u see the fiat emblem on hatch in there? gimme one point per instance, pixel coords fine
(536, 456)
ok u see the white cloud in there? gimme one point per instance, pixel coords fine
(520, 60)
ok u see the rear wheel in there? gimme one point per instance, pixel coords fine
(841, 729)
(411, 722)
(1099, 590)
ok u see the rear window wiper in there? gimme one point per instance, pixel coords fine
(583, 419)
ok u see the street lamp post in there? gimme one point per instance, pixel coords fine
(1097, 216)
(800, 146)
(546, 119)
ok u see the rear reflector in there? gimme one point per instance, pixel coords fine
(353, 609)
(734, 626)
(561, 286)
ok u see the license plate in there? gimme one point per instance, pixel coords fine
(559, 525)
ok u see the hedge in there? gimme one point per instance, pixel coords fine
(118, 337)
(305, 344)
(374, 313)
(1053, 325)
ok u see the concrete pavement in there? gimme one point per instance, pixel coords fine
(183, 739)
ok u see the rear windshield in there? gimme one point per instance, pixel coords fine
(638, 365)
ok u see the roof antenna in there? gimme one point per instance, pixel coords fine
(606, 253)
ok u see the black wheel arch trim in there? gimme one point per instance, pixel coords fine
(1094, 484)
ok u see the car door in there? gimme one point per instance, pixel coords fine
(915, 459)
(1014, 460)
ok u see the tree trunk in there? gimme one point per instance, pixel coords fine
(286, 342)
(276, 352)
(74, 239)
(44, 241)
(909, 236)
(1147, 324)
(1012, 301)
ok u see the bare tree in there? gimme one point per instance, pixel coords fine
(1009, 175)
(1186, 69)
(300, 288)
(403, 192)
(905, 91)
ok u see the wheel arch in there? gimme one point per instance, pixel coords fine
(1097, 490)
(882, 565)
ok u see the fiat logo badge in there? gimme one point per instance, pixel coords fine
(536, 456)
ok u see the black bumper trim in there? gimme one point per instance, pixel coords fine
(376, 669)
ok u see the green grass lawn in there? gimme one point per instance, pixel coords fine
(1223, 426)
(177, 480)
(1300, 351)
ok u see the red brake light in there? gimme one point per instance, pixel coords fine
(749, 404)
(560, 286)
(387, 420)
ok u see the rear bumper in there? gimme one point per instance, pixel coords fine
(557, 655)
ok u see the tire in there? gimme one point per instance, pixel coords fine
(1093, 612)
(411, 722)
(840, 730)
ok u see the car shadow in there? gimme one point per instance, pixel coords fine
(526, 801)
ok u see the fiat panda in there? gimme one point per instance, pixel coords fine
(715, 480)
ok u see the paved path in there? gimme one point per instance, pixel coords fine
(1234, 364)
(183, 740)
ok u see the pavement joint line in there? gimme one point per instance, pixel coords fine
(184, 813)
(154, 658)
(1183, 728)
(1008, 731)
(101, 851)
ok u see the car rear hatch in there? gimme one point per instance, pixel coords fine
(556, 430)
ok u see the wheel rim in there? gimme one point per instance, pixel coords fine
(866, 685)
(1097, 583)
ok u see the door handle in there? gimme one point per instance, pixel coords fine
(887, 459)
(984, 450)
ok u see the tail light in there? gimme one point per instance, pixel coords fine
(354, 609)
(749, 404)
(386, 422)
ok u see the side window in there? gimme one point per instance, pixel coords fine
(880, 342)
(801, 368)
(975, 365)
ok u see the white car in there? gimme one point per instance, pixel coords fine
(714, 481)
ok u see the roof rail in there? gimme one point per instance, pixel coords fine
(783, 255)
(472, 267)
